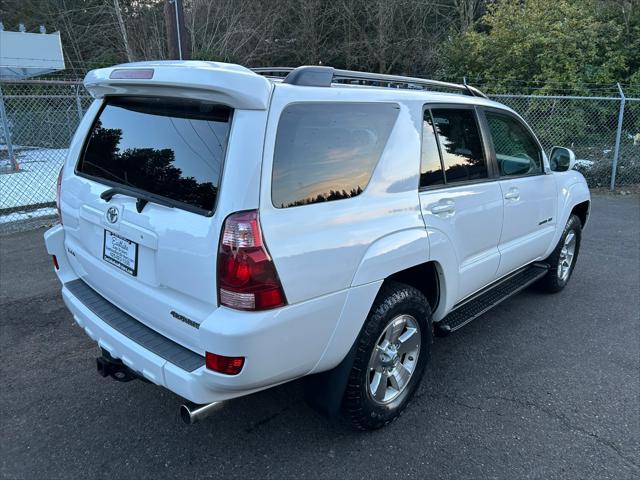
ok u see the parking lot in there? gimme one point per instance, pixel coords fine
(541, 387)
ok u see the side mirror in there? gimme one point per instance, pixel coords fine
(562, 159)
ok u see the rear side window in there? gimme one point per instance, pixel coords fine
(431, 171)
(328, 151)
(451, 147)
(460, 145)
(173, 148)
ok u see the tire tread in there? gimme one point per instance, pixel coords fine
(355, 407)
(550, 282)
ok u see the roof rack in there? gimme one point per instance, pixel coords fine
(318, 76)
(278, 71)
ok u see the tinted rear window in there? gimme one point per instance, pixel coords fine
(431, 172)
(327, 151)
(173, 148)
(460, 144)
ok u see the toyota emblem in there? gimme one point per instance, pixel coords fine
(112, 215)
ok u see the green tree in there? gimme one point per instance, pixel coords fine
(558, 44)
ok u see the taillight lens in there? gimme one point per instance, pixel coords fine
(222, 364)
(247, 277)
(58, 187)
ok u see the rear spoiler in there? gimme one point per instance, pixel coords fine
(231, 85)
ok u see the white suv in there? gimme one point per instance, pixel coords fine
(224, 230)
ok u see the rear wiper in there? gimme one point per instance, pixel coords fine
(141, 199)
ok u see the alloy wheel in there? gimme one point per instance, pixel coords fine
(394, 359)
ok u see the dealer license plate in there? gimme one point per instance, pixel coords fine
(120, 252)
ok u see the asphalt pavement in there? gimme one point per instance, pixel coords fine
(543, 386)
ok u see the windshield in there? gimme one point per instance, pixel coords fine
(173, 148)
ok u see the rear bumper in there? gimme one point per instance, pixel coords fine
(279, 345)
(190, 385)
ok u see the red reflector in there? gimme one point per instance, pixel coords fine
(55, 262)
(142, 73)
(222, 364)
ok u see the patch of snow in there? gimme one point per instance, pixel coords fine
(585, 163)
(19, 216)
(35, 182)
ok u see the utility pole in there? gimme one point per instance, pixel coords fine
(123, 30)
(176, 38)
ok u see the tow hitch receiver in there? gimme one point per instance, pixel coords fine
(114, 368)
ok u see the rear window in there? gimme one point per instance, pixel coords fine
(460, 145)
(327, 151)
(172, 148)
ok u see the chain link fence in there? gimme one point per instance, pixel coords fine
(591, 127)
(38, 119)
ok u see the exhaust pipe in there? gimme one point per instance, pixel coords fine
(192, 412)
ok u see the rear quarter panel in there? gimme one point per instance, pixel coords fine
(318, 248)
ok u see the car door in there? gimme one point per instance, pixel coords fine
(459, 196)
(529, 194)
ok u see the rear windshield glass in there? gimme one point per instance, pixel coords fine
(173, 148)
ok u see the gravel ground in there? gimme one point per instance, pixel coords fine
(541, 387)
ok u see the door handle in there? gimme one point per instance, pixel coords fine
(513, 194)
(443, 207)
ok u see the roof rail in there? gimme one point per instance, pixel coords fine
(267, 71)
(318, 76)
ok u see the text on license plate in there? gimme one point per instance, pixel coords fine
(120, 252)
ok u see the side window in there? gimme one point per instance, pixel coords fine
(327, 151)
(430, 165)
(517, 152)
(459, 138)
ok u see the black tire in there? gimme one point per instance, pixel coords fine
(552, 282)
(358, 405)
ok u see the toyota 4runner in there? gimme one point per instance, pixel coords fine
(224, 230)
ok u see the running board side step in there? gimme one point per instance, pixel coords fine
(486, 299)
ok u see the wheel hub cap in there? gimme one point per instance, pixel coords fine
(567, 254)
(394, 359)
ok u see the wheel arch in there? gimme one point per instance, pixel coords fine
(582, 211)
(401, 257)
(326, 383)
(573, 198)
(426, 277)
(387, 256)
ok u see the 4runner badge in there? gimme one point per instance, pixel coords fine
(112, 214)
(184, 319)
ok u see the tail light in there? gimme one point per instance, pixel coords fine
(247, 277)
(58, 187)
(222, 364)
